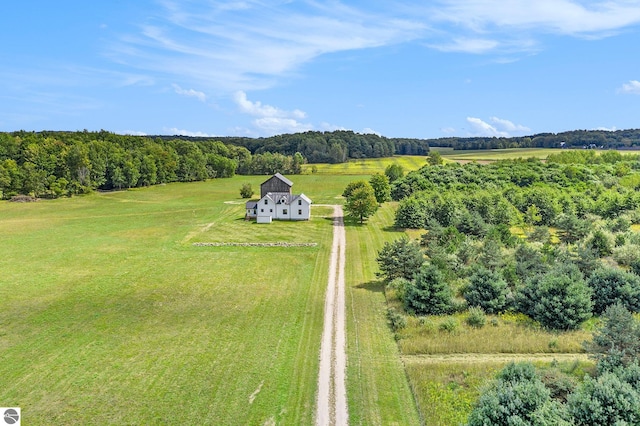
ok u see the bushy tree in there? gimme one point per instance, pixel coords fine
(488, 290)
(617, 342)
(517, 398)
(606, 400)
(381, 187)
(613, 285)
(394, 172)
(430, 294)
(361, 203)
(400, 259)
(600, 243)
(352, 186)
(559, 299)
(571, 228)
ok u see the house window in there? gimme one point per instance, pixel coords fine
(299, 202)
(261, 210)
(270, 210)
(284, 211)
(300, 212)
(266, 202)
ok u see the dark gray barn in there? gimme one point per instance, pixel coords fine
(277, 183)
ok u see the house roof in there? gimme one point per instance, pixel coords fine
(251, 204)
(304, 197)
(284, 179)
(285, 198)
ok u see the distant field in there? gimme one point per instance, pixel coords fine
(494, 154)
(109, 315)
(367, 166)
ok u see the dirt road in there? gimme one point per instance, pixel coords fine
(331, 403)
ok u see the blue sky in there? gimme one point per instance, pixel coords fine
(423, 69)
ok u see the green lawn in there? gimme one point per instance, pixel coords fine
(108, 313)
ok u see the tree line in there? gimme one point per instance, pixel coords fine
(619, 139)
(54, 164)
(332, 147)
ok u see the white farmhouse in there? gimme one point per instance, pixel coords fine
(277, 202)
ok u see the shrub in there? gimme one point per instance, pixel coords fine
(246, 191)
(397, 321)
(450, 325)
(613, 285)
(430, 294)
(476, 318)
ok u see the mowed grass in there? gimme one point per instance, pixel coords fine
(488, 155)
(367, 166)
(377, 387)
(109, 315)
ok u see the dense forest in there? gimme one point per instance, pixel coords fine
(54, 164)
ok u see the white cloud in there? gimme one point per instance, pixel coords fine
(258, 109)
(448, 130)
(277, 125)
(508, 126)
(500, 128)
(271, 120)
(369, 131)
(607, 129)
(182, 132)
(632, 87)
(189, 93)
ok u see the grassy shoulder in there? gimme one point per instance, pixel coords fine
(110, 315)
(378, 392)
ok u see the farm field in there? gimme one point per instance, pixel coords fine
(367, 166)
(109, 314)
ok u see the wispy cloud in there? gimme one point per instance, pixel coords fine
(271, 120)
(189, 93)
(484, 26)
(499, 128)
(244, 45)
(632, 87)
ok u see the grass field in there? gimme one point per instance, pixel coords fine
(108, 314)
(367, 166)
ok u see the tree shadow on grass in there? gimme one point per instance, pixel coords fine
(376, 286)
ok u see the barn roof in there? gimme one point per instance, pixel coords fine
(284, 179)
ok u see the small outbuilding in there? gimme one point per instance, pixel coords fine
(278, 203)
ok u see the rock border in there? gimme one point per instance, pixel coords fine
(280, 244)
